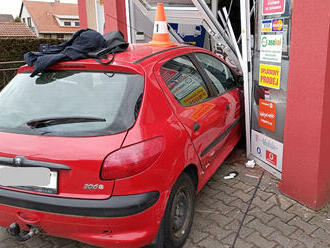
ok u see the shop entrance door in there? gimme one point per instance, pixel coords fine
(189, 20)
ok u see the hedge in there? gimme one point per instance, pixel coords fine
(14, 50)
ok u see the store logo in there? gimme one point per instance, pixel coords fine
(264, 41)
(271, 157)
(278, 25)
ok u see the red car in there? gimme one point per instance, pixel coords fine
(126, 146)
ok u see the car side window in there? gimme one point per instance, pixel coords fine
(219, 74)
(184, 81)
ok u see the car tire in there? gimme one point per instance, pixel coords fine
(179, 212)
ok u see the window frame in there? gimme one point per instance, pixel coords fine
(211, 89)
(67, 22)
(206, 85)
(208, 78)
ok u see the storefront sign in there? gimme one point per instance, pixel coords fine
(272, 25)
(267, 114)
(270, 76)
(266, 149)
(273, 7)
(271, 48)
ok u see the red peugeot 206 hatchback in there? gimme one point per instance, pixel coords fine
(114, 155)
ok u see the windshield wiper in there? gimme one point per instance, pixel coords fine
(51, 121)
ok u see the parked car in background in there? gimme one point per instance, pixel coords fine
(126, 146)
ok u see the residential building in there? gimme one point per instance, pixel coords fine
(15, 30)
(6, 18)
(51, 20)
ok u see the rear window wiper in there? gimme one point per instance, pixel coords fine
(51, 121)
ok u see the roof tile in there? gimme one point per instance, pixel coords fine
(15, 29)
(43, 15)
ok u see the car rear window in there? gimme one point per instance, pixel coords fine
(64, 103)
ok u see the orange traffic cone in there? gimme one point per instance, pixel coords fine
(161, 37)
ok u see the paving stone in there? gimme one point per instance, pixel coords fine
(221, 207)
(242, 244)
(219, 232)
(227, 199)
(210, 242)
(284, 216)
(244, 187)
(245, 197)
(283, 240)
(258, 240)
(308, 228)
(321, 234)
(304, 238)
(220, 219)
(202, 223)
(284, 202)
(196, 235)
(303, 212)
(264, 195)
(264, 205)
(236, 214)
(244, 232)
(188, 244)
(238, 203)
(323, 245)
(284, 228)
(260, 227)
(263, 217)
(228, 190)
(321, 221)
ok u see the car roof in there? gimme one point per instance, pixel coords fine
(130, 58)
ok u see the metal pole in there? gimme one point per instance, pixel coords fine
(231, 31)
(244, 65)
(215, 4)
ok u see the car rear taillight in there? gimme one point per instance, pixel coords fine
(131, 160)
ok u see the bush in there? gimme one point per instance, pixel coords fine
(14, 50)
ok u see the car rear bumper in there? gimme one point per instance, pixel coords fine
(115, 206)
(127, 228)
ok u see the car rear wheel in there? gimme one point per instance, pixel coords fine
(179, 212)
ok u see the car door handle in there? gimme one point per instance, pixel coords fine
(196, 126)
(227, 107)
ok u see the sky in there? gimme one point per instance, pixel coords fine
(13, 6)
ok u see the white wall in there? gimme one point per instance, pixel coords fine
(25, 14)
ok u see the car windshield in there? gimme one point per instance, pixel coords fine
(62, 103)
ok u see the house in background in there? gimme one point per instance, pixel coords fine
(50, 20)
(6, 18)
(15, 30)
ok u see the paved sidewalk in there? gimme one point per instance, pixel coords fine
(273, 220)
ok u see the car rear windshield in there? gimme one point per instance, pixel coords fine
(65, 103)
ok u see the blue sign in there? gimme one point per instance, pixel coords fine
(192, 34)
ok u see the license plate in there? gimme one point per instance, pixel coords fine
(29, 178)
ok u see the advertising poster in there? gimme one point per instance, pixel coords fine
(267, 150)
(270, 76)
(267, 114)
(273, 7)
(196, 96)
(271, 48)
